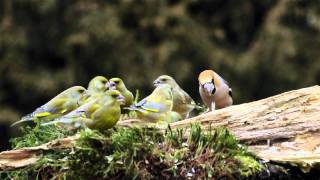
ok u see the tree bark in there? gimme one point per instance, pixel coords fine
(283, 128)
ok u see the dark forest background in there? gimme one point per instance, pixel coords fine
(262, 47)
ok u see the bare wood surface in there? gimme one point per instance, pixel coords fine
(26, 156)
(283, 128)
(282, 116)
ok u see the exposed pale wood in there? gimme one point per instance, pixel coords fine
(279, 117)
(26, 156)
(302, 151)
(289, 121)
(283, 128)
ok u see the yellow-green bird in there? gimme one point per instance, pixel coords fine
(154, 108)
(102, 113)
(61, 104)
(172, 116)
(96, 88)
(117, 84)
(97, 85)
(182, 102)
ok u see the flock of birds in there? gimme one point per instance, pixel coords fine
(100, 105)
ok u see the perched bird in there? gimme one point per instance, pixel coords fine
(172, 116)
(97, 88)
(154, 108)
(100, 114)
(117, 84)
(182, 102)
(97, 85)
(214, 90)
(63, 103)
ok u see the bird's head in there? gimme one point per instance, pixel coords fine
(115, 96)
(77, 93)
(115, 83)
(165, 79)
(98, 84)
(206, 82)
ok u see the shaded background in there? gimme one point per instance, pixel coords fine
(261, 47)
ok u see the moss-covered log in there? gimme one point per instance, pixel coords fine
(283, 128)
(30, 155)
(133, 153)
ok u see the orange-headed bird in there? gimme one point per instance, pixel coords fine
(214, 90)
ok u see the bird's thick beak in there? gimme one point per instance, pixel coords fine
(111, 85)
(156, 83)
(120, 99)
(209, 87)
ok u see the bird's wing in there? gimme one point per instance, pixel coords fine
(54, 106)
(152, 106)
(82, 111)
(183, 97)
(75, 115)
(187, 98)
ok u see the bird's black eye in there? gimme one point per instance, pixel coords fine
(81, 91)
(104, 81)
(164, 80)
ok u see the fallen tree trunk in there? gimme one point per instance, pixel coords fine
(283, 128)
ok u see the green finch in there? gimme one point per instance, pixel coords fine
(117, 84)
(97, 85)
(155, 107)
(182, 102)
(101, 114)
(61, 104)
(172, 116)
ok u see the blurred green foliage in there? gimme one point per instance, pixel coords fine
(261, 47)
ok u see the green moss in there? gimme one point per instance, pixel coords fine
(35, 136)
(142, 153)
(248, 165)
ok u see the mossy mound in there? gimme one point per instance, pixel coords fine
(37, 135)
(141, 153)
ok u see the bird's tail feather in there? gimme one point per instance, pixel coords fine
(132, 108)
(26, 118)
(60, 120)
